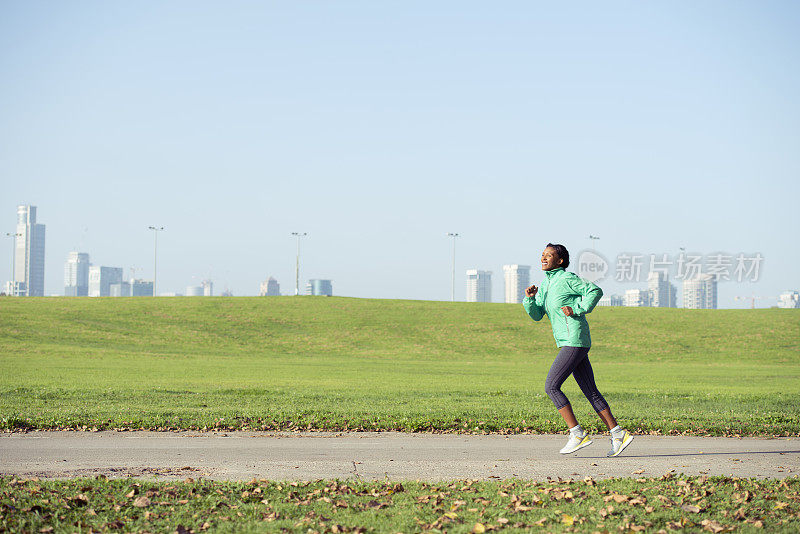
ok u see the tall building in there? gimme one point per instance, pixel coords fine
(789, 299)
(611, 300)
(101, 278)
(663, 294)
(208, 288)
(700, 292)
(141, 288)
(28, 275)
(637, 297)
(269, 288)
(76, 275)
(120, 289)
(517, 278)
(479, 286)
(319, 287)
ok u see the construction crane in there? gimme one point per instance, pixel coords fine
(753, 299)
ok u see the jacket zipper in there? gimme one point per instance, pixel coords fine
(566, 322)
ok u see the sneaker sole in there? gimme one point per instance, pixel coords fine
(585, 443)
(625, 443)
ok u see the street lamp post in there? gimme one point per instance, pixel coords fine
(669, 285)
(453, 279)
(298, 235)
(155, 230)
(593, 238)
(13, 237)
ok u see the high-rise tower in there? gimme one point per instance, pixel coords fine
(479, 286)
(517, 278)
(76, 275)
(28, 275)
(700, 292)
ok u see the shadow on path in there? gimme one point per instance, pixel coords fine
(734, 453)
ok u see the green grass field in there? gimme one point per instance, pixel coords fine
(664, 504)
(340, 363)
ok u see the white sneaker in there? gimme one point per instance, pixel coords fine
(574, 443)
(618, 444)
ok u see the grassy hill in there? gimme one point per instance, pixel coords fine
(337, 363)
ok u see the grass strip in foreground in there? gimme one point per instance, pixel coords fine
(715, 504)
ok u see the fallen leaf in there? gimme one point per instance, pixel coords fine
(638, 472)
(690, 508)
(479, 528)
(451, 515)
(619, 498)
(665, 500)
(712, 526)
(141, 502)
(79, 500)
(567, 519)
(272, 517)
(502, 520)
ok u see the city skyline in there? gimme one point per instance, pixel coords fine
(700, 289)
(233, 128)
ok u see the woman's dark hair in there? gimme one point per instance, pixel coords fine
(561, 252)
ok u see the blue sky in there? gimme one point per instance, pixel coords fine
(377, 127)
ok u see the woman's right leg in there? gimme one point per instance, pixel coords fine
(620, 438)
(584, 376)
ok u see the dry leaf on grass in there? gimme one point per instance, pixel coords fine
(141, 502)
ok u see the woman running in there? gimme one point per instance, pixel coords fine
(566, 299)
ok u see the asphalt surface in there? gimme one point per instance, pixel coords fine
(378, 455)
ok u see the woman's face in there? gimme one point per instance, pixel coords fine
(550, 259)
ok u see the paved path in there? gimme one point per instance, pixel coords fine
(372, 455)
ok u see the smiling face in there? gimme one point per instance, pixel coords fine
(550, 259)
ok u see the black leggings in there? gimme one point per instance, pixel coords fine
(574, 361)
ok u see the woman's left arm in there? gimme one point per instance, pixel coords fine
(589, 294)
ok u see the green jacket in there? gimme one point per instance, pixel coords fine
(561, 288)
